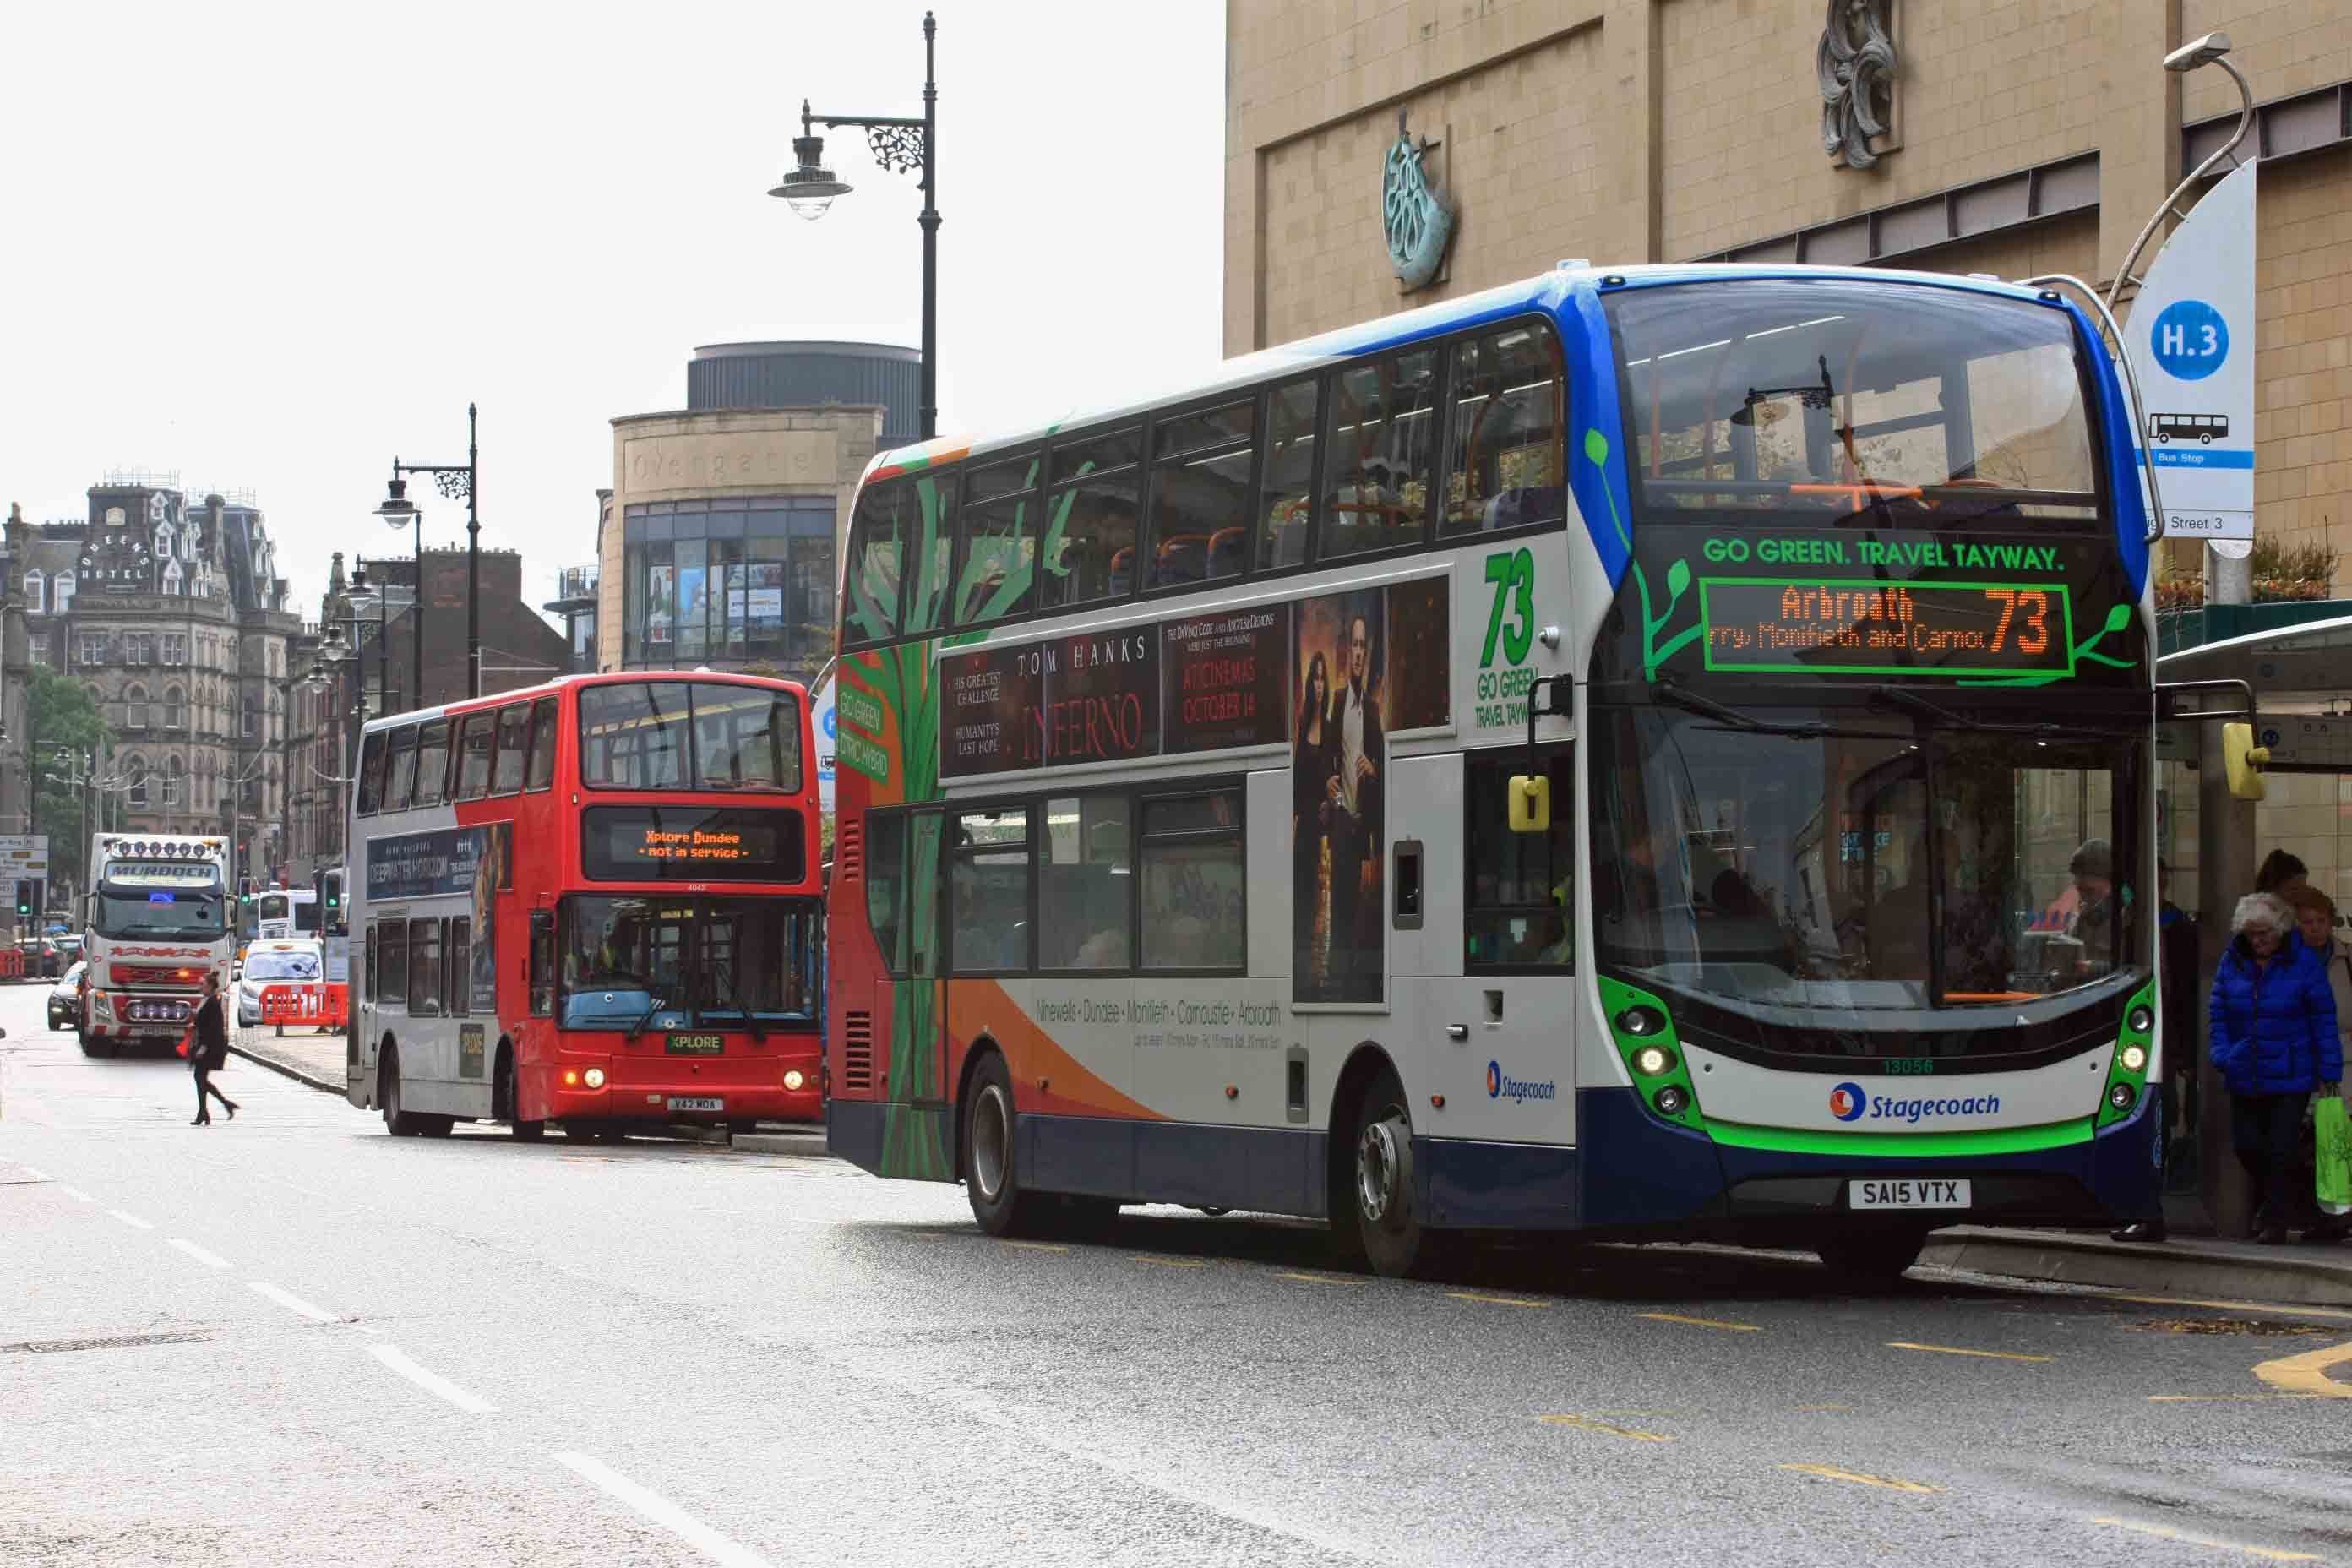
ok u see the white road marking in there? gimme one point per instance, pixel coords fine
(432, 1382)
(75, 1194)
(209, 1259)
(290, 1301)
(131, 1220)
(662, 1512)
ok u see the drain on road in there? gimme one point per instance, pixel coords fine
(2226, 1326)
(116, 1342)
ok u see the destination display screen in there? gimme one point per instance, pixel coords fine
(691, 844)
(1864, 628)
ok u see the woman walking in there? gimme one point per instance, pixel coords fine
(2273, 1041)
(208, 1051)
(2314, 915)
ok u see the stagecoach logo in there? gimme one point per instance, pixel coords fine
(1501, 1086)
(1418, 224)
(1847, 1102)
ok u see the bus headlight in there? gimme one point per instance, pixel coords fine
(1641, 1021)
(792, 1078)
(2139, 1020)
(2121, 1097)
(594, 1078)
(2135, 1059)
(1652, 1060)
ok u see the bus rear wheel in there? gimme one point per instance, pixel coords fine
(504, 1100)
(1374, 1216)
(992, 1177)
(398, 1123)
(1874, 1258)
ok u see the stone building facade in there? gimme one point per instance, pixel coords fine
(381, 622)
(719, 543)
(168, 609)
(2021, 139)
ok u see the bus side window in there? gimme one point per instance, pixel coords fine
(432, 764)
(514, 748)
(1286, 497)
(391, 972)
(1519, 889)
(542, 964)
(424, 968)
(457, 975)
(885, 876)
(372, 773)
(402, 768)
(477, 738)
(368, 990)
(542, 743)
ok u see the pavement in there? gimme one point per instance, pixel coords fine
(290, 1338)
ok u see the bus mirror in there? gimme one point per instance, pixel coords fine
(1530, 803)
(2244, 760)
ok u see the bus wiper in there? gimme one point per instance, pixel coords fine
(653, 1005)
(1707, 707)
(727, 978)
(1937, 713)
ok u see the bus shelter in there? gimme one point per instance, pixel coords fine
(2301, 679)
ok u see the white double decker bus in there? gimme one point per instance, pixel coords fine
(1646, 753)
(157, 923)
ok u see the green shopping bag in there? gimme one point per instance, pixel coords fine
(2332, 1139)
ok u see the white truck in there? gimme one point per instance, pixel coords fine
(158, 922)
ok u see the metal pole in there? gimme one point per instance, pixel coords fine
(417, 619)
(930, 222)
(473, 558)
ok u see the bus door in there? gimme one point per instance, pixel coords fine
(1499, 914)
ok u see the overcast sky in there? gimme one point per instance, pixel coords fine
(273, 247)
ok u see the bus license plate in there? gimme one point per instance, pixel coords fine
(1933, 1193)
(695, 1045)
(696, 1102)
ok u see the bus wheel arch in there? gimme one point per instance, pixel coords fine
(1373, 1197)
(982, 1047)
(506, 1094)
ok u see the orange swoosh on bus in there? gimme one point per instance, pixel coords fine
(977, 1007)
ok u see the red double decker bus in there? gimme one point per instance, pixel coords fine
(595, 902)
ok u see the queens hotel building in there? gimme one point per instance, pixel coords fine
(719, 543)
(1944, 136)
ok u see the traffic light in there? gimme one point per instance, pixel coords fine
(245, 889)
(24, 899)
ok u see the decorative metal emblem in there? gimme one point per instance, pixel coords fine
(1855, 65)
(1417, 223)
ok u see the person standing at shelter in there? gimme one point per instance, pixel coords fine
(2314, 915)
(2273, 1038)
(2280, 873)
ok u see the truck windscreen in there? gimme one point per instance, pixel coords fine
(188, 914)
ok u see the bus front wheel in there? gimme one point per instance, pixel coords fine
(1873, 1257)
(1376, 1214)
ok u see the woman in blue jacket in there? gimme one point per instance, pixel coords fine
(2273, 1041)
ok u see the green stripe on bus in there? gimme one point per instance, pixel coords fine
(1897, 1145)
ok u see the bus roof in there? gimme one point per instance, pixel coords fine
(1547, 293)
(556, 686)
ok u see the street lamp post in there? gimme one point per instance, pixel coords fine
(455, 480)
(360, 584)
(901, 146)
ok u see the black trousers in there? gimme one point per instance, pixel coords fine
(204, 1086)
(2263, 1129)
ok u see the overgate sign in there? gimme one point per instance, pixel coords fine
(23, 855)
